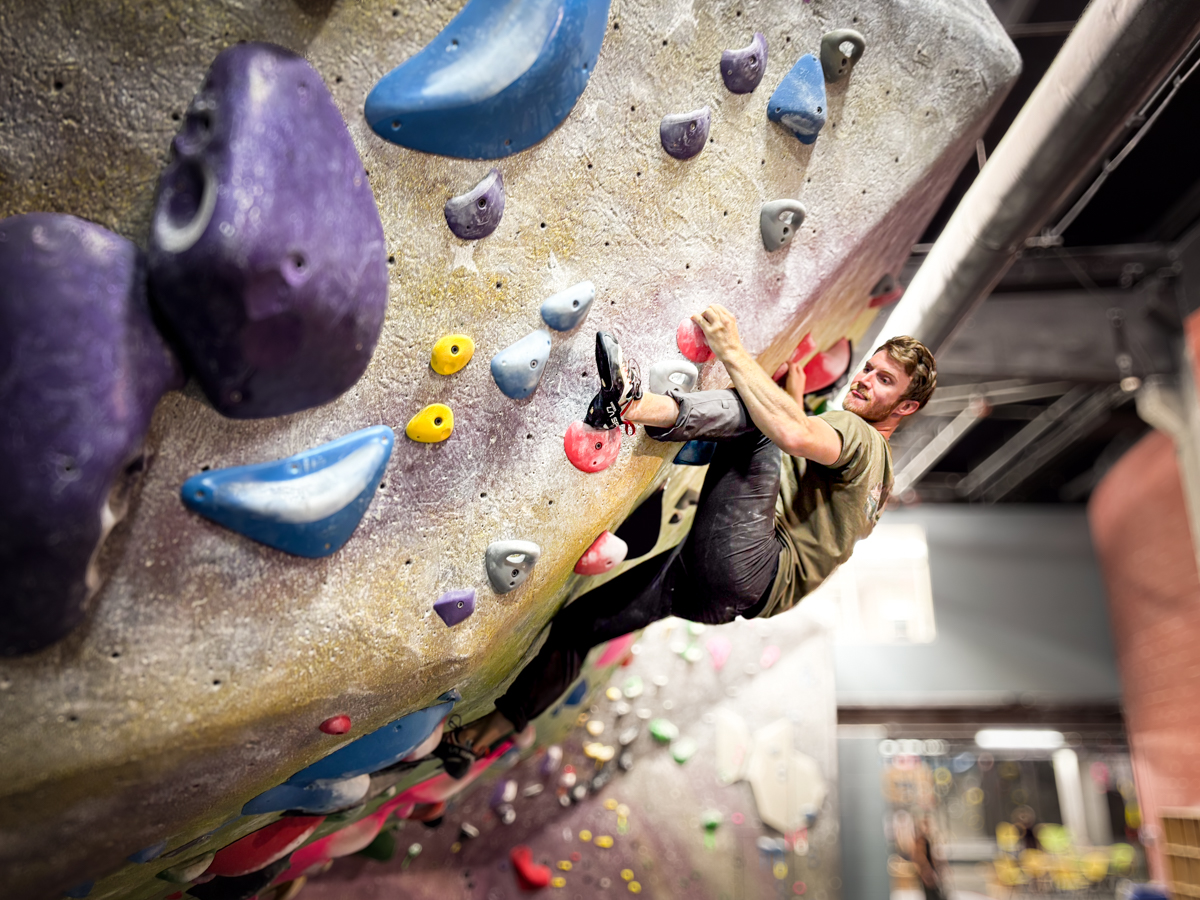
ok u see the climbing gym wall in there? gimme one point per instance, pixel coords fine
(248, 595)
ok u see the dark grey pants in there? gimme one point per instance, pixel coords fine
(724, 568)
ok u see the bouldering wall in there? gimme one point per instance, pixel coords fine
(208, 662)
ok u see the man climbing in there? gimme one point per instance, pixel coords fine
(769, 526)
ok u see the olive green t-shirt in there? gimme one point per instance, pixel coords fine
(823, 510)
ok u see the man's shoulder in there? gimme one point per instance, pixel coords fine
(858, 435)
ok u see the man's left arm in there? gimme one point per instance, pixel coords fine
(779, 414)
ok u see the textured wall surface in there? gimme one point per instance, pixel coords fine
(207, 660)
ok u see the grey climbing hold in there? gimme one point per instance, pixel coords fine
(625, 761)
(628, 736)
(509, 563)
(683, 135)
(779, 221)
(673, 374)
(455, 606)
(835, 63)
(476, 213)
(566, 309)
(743, 69)
(518, 368)
(798, 104)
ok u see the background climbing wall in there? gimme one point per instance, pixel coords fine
(207, 660)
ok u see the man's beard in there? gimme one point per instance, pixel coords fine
(868, 411)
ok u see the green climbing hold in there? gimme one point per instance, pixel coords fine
(683, 749)
(711, 819)
(692, 653)
(663, 730)
(633, 687)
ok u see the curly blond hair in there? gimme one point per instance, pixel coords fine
(918, 363)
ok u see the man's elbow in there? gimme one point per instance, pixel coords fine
(795, 441)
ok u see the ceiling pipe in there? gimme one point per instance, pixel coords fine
(1118, 54)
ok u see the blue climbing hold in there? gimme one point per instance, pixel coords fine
(696, 453)
(318, 798)
(566, 309)
(798, 104)
(498, 79)
(518, 368)
(154, 851)
(81, 890)
(381, 747)
(308, 504)
(576, 696)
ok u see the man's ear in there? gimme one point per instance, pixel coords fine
(906, 407)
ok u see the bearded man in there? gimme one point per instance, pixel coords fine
(785, 498)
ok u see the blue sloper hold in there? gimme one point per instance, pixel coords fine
(80, 890)
(308, 504)
(382, 747)
(499, 78)
(154, 851)
(321, 797)
(566, 309)
(798, 104)
(518, 368)
(696, 453)
(576, 696)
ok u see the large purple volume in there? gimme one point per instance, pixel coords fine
(81, 368)
(267, 255)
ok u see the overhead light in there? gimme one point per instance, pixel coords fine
(1018, 739)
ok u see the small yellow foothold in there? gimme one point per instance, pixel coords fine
(622, 810)
(585, 835)
(432, 424)
(610, 803)
(558, 881)
(627, 874)
(595, 728)
(451, 353)
(780, 870)
(604, 841)
(613, 693)
(602, 753)
(634, 887)
(455, 847)
(565, 865)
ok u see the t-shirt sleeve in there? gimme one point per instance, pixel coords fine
(856, 439)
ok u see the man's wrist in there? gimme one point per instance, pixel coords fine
(738, 360)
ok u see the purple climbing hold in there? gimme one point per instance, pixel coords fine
(455, 606)
(683, 135)
(743, 69)
(267, 256)
(81, 369)
(476, 213)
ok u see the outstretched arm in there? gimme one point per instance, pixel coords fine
(779, 414)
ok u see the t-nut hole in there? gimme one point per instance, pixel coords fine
(818, 109)
(437, 420)
(691, 126)
(461, 604)
(598, 445)
(395, 124)
(481, 202)
(533, 364)
(454, 349)
(574, 304)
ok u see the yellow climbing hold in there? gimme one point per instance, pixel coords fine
(585, 835)
(613, 693)
(455, 847)
(622, 810)
(565, 865)
(610, 803)
(432, 424)
(595, 728)
(558, 881)
(451, 353)
(780, 870)
(600, 752)
(604, 841)
(634, 887)
(627, 874)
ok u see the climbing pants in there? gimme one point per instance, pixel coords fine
(724, 568)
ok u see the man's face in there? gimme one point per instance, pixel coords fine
(876, 391)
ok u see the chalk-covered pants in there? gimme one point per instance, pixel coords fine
(724, 568)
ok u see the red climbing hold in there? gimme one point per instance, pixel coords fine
(336, 725)
(263, 847)
(692, 342)
(350, 839)
(806, 346)
(606, 552)
(531, 876)
(827, 367)
(591, 449)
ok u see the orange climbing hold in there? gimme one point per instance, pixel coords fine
(263, 847)
(431, 425)
(591, 449)
(607, 552)
(692, 342)
(451, 353)
(531, 876)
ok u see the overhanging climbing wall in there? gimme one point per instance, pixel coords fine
(208, 660)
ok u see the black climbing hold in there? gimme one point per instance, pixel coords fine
(509, 563)
(673, 374)
(779, 221)
(518, 368)
(835, 63)
(696, 453)
(640, 530)
(242, 887)
(683, 135)
(476, 213)
(743, 69)
(799, 103)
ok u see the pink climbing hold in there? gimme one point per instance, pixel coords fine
(591, 449)
(263, 847)
(618, 650)
(719, 649)
(806, 346)
(336, 725)
(606, 552)
(770, 656)
(531, 876)
(350, 839)
(827, 367)
(692, 342)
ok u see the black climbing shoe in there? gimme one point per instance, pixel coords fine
(456, 758)
(620, 385)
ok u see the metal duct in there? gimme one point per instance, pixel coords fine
(1118, 53)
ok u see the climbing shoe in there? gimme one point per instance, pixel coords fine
(456, 758)
(620, 385)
